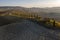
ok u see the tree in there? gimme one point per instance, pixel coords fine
(53, 22)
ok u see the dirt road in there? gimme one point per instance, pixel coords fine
(27, 30)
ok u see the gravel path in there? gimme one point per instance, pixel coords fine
(27, 30)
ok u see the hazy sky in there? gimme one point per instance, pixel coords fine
(30, 3)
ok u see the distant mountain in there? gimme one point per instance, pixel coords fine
(33, 9)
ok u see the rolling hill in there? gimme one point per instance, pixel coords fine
(16, 28)
(27, 30)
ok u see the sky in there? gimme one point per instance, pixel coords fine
(31, 3)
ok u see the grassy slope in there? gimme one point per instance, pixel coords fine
(24, 14)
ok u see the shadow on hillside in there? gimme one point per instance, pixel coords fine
(5, 20)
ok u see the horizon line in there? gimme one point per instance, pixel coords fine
(30, 7)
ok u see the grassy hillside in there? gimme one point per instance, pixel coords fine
(49, 22)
